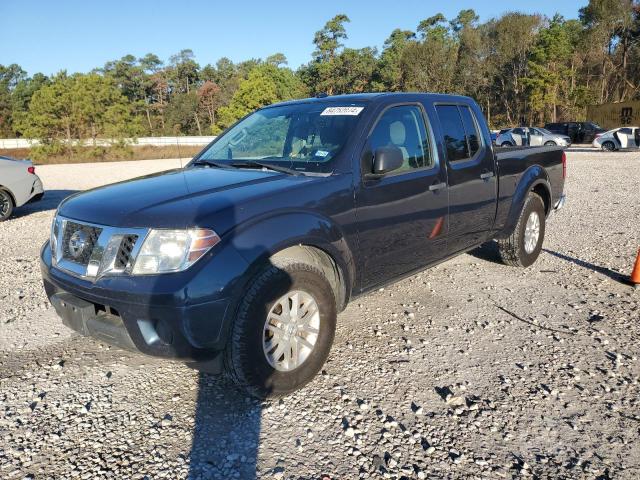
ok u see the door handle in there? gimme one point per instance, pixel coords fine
(437, 186)
(486, 175)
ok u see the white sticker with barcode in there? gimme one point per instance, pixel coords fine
(354, 111)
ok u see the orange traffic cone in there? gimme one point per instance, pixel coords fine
(634, 279)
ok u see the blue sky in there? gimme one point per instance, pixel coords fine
(51, 35)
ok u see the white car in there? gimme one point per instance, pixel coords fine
(623, 138)
(530, 136)
(19, 184)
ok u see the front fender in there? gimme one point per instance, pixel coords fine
(261, 238)
(532, 177)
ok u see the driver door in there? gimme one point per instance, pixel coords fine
(402, 216)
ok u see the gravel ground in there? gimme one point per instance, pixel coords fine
(468, 370)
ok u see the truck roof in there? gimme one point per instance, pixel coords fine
(371, 96)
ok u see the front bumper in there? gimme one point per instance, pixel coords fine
(155, 315)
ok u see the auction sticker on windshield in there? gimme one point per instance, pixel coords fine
(342, 111)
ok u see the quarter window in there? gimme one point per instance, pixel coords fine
(403, 127)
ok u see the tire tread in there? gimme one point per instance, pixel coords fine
(509, 248)
(234, 354)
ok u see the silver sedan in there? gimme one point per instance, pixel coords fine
(531, 136)
(19, 184)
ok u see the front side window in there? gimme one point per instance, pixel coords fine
(304, 137)
(403, 127)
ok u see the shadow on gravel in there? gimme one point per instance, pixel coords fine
(227, 431)
(618, 277)
(487, 251)
(50, 201)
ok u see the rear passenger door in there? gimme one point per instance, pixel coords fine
(471, 176)
(402, 216)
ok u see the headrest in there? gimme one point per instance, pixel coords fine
(397, 133)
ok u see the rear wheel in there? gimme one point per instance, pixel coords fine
(506, 144)
(6, 205)
(283, 330)
(523, 246)
(608, 146)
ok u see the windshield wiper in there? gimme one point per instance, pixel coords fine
(269, 166)
(211, 163)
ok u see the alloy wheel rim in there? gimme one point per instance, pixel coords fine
(291, 330)
(531, 232)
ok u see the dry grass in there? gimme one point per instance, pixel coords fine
(146, 152)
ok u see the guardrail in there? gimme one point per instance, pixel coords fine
(154, 141)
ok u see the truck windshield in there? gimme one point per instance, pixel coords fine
(305, 137)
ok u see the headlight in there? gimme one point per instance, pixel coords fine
(53, 239)
(173, 250)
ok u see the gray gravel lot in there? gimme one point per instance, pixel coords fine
(468, 370)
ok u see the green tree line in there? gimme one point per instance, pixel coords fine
(519, 67)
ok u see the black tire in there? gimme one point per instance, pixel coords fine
(244, 360)
(6, 205)
(506, 144)
(512, 249)
(550, 143)
(608, 146)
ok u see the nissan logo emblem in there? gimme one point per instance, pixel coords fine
(77, 242)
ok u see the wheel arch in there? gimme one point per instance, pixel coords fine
(535, 180)
(324, 261)
(303, 235)
(6, 189)
(543, 190)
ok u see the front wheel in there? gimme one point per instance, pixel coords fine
(506, 144)
(283, 330)
(550, 143)
(6, 205)
(523, 246)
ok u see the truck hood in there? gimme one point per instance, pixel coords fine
(179, 198)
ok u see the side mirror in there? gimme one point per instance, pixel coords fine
(387, 159)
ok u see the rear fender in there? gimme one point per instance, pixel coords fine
(534, 178)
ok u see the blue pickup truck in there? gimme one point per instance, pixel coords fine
(240, 261)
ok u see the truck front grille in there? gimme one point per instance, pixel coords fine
(123, 257)
(78, 242)
(90, 251)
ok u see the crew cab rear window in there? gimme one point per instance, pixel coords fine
(471, 129)
(461, 136)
